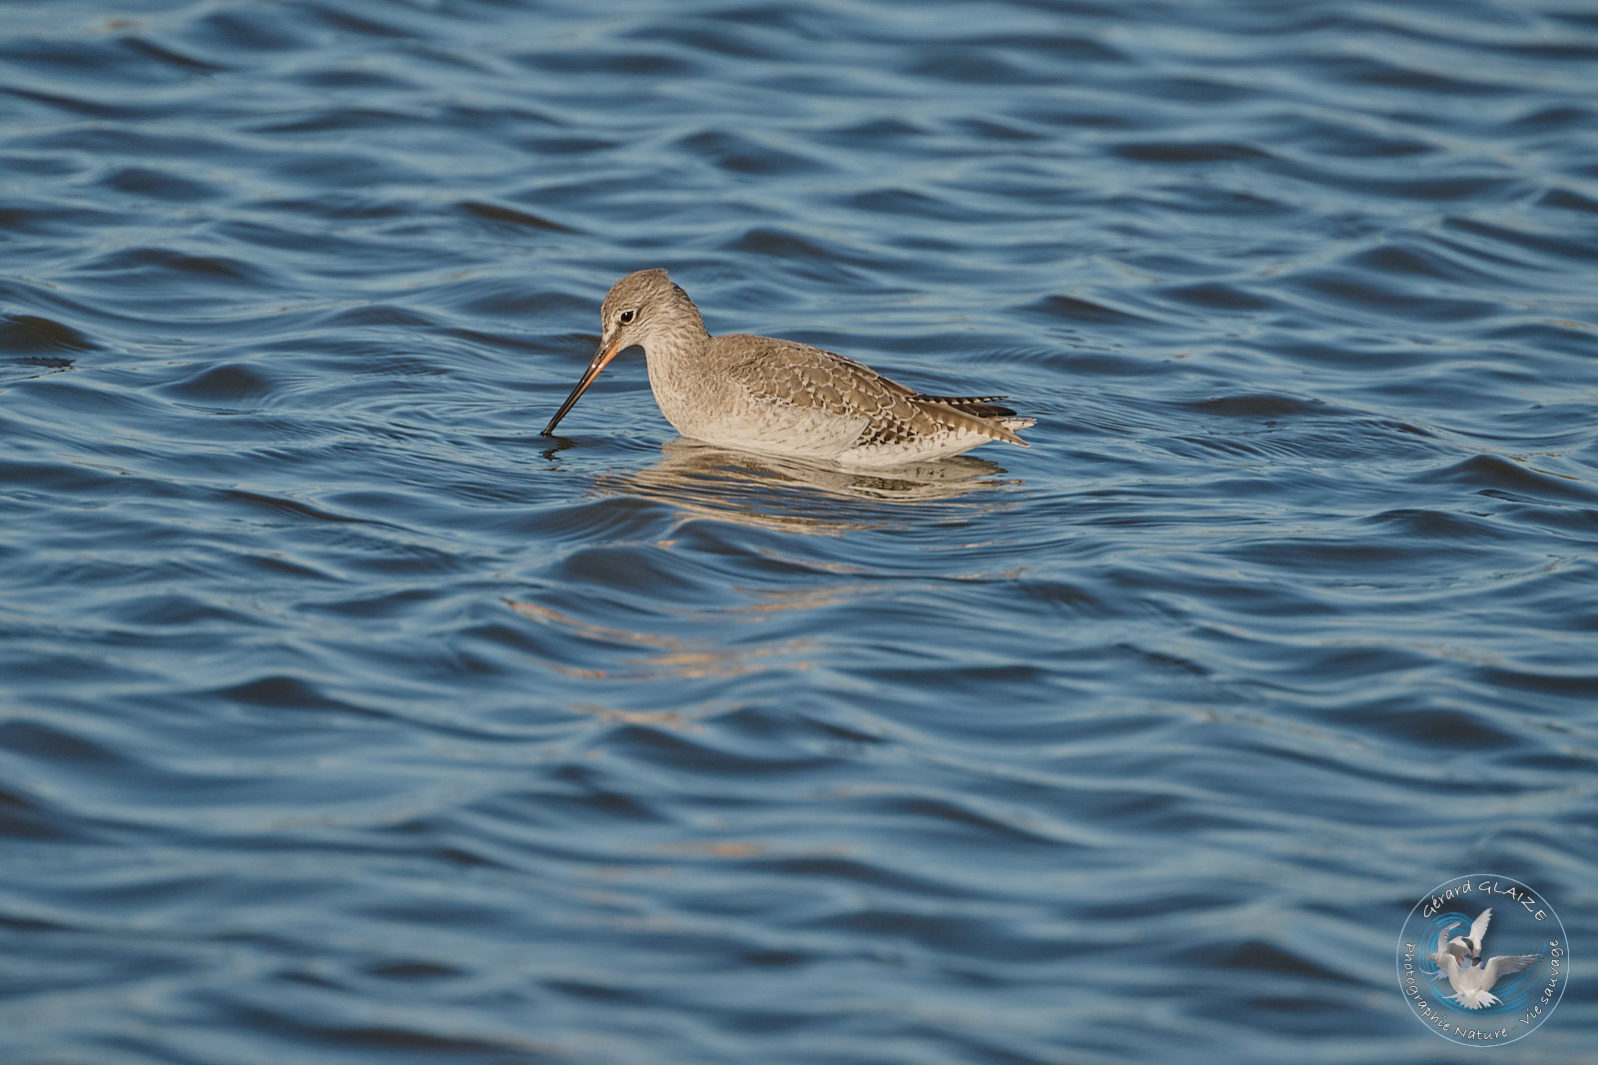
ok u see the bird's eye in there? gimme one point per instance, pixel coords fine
(626, 317)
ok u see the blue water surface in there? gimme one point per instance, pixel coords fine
(343, 718)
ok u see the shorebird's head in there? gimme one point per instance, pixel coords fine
(641, 309)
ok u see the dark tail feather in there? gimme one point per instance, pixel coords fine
(981, 406)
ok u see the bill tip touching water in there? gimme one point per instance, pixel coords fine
(762, 394)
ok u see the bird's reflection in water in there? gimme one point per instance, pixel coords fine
(787, 493)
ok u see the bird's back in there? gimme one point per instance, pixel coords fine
(783, 388)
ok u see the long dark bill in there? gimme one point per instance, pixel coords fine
(602, 357)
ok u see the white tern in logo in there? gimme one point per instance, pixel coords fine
(1467, 949)
(1472, 983)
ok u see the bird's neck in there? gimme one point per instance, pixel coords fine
(678, 375)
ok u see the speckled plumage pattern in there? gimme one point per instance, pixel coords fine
(762, 394)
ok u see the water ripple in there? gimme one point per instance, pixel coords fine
(343, 715)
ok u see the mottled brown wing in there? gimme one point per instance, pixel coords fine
(810, 377)
(785, 372)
